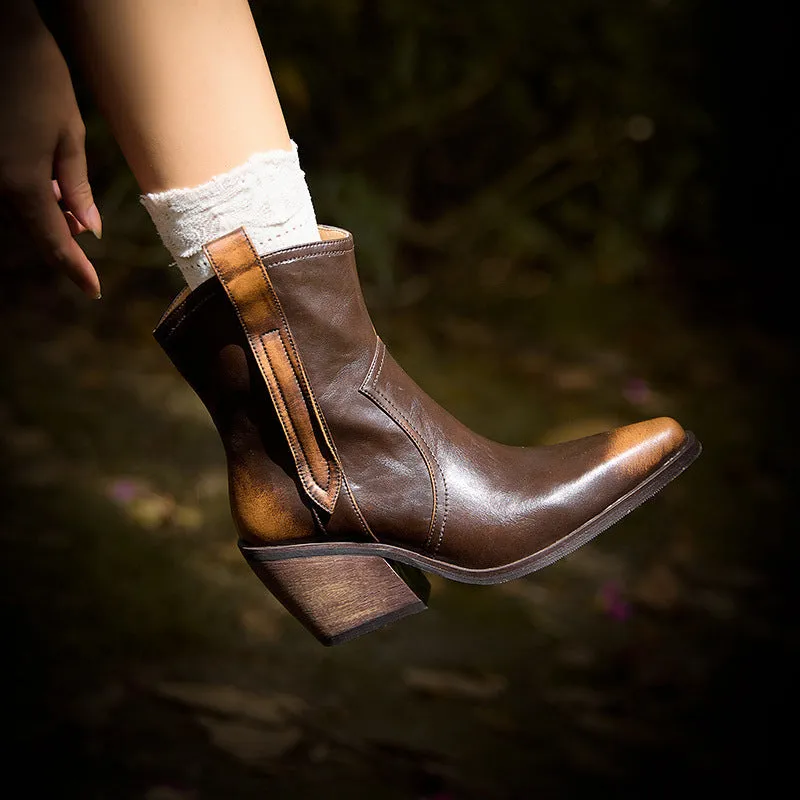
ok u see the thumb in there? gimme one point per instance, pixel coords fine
(69, 165)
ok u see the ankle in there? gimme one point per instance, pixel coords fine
(268, 195)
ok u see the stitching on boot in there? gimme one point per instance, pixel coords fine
(432, 454)
(405, 419)
(320, 416)
(300, 257)
(327, 483)
(370, 386)
(286, 422)
(310, 396)
(362, 521)
(415, 437)
(185, 316)
(204, 300)
(446, 509)
(300, 472)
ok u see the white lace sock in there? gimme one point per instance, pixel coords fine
(267, 194)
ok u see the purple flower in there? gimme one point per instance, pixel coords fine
(124, 490)
(637, 392)
(613, 602)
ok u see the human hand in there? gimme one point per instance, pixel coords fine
(42, 154)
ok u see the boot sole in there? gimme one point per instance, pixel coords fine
(341, 590)
(666, 473)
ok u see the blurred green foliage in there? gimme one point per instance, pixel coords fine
(564, 140)
(564, 136)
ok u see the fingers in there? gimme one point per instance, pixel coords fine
(48, 227)
(71, 188)
(69, 165)
(62, 251)
(75, 227)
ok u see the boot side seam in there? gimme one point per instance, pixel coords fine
(416, 433)
(351, 497)
(370, 388)
(309, 396)
(258, 351)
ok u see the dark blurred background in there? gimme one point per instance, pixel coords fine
(568, 215)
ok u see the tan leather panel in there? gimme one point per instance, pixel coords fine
(253, 297)
(313, 469)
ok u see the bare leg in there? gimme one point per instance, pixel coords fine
(184, 85)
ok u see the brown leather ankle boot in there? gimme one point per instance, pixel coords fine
(346, 479)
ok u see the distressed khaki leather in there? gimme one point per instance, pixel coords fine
(327, 438)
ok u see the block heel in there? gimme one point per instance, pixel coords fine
(340, 597)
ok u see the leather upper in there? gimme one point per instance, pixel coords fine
(410, 474)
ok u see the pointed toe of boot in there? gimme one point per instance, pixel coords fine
(636, 450)
(623, 468)
(535, 505)
(628, 465)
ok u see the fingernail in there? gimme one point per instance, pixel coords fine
(95, 222)
(98, 296)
